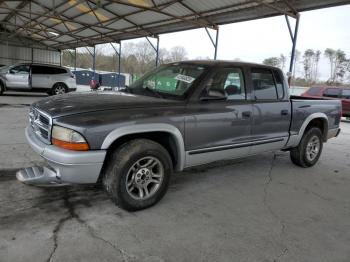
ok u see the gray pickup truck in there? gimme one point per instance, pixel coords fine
(178, 116)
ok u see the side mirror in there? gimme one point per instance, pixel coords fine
(213, 95)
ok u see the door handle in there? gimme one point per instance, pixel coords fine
(284, 112)
(246, 114)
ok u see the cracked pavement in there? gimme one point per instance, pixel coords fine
(261, 208)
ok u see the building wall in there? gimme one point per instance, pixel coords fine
(10, 55)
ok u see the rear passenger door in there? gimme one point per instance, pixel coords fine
(41, 77)
(271, 110)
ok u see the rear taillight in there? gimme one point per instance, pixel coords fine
(72, 75)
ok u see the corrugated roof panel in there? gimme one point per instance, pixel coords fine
(121, 9)
(86, 33)
(64, 38)
(177, 9)
(120, 24)
(11, 4)
(147, 17)
(88, 18)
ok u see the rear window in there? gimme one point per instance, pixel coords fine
(264, 84)
(332, 92)
(314, 91)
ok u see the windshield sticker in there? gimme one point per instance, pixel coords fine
(184, 78)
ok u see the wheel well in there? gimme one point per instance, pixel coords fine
(163, 138)
(321, 123)
(60, 83)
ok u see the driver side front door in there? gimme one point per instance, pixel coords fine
(219, 127)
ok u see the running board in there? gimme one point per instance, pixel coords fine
(39, 176)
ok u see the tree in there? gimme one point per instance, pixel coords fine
(330, 54)
(339, 64)
(308, 59)
(177, 53)
(272, 61)
(283, 60)
(317, 60)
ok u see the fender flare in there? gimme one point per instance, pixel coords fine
(295, 140)
(146, 128)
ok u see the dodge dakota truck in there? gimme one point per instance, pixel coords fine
(178, 116)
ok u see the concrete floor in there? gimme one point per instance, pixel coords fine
(260, 208)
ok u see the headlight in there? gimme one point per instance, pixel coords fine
(68, 139)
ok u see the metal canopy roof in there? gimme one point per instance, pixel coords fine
(63, 24)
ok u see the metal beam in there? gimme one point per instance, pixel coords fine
(214, 43)
(294, 40)
(118, 53)
(155, 48)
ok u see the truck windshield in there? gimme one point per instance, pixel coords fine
(168, 81)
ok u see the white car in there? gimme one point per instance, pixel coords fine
(52, 79)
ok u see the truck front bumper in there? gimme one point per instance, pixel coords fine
(63, 166)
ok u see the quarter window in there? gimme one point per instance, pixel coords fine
(227, 82)
(263, 84)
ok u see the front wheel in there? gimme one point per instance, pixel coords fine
(309, 150)
(137, 174)
(58, 89)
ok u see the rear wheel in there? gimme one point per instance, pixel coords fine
(137, 174)
(309, 150)
(58, 89)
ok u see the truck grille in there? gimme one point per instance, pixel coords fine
(41, 124)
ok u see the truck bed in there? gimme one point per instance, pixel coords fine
(302, 107)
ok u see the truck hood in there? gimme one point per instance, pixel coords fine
(83, 102)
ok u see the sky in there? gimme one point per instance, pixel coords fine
(253, 41)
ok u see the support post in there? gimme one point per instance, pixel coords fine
(94, 63)
(118, 53)
(294, 40)
(157, 52)
(33, 55)
(215, 44)
(155, 48)
(75, 59)
(119, 58)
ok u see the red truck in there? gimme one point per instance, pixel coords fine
(341, 93)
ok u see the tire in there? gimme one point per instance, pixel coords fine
(127, 174)
(2, 88)
(309, 150)
(58, 89)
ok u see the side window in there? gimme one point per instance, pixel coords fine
(263, 84)
(227, 82)
(346, 94)
(20, 70)
(279, 84)
(332, 92)
(314, 91)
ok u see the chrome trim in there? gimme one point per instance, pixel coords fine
(37, 125)
(237, 145)
(144, 128)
